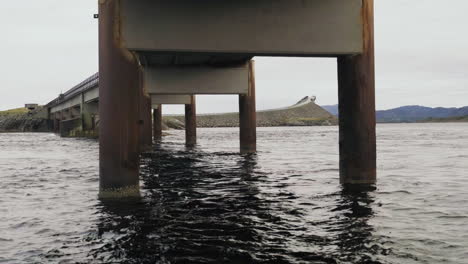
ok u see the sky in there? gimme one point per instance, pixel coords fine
(48, 46)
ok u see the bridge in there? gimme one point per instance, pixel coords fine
(156, 52)
(77, 108)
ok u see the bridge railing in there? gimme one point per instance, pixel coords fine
(82, 87)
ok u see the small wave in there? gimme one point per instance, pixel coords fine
(326, 170)
(394, 192)
(453, 217)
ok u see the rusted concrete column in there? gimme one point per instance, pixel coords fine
(247, 116)
(356, 92)
(119, 80)
(146, 138)
(157, 123)
(191, 123)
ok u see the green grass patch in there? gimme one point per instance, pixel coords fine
(448, 119)
(16, 111)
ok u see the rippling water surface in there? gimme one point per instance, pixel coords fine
(212, 205)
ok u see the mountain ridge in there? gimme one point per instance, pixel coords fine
(411, 113)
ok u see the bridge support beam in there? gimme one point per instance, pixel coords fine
(119, 81)
(191, 123)
(157, 123)
(356, 92)
(247, 115)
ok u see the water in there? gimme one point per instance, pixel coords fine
(212, 205)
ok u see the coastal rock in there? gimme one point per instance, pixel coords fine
(33, 121)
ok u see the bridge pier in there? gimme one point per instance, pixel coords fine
(146, 139)
(88, 111)
(356, 92)
(157, 123)
(56, 122)
(118, 110)
(142, 27)
(191, 123)
(247, 115)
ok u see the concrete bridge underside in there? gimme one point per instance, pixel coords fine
(157, 48)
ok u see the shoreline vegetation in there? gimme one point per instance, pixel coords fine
(456, 119)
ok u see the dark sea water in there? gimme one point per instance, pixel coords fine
(212, 205)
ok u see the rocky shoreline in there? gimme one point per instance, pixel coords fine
(25, 121)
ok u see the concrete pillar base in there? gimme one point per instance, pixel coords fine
(157, 123)
(248, 116)
(191, 124)
(126, 192)
(358, 188)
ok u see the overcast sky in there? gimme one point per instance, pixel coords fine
(48, 46)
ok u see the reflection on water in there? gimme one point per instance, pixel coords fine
(212, 205)
(355, 238)
(209, 208)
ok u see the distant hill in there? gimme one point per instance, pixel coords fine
(332, 109)
(414, 113)
(411, 113)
